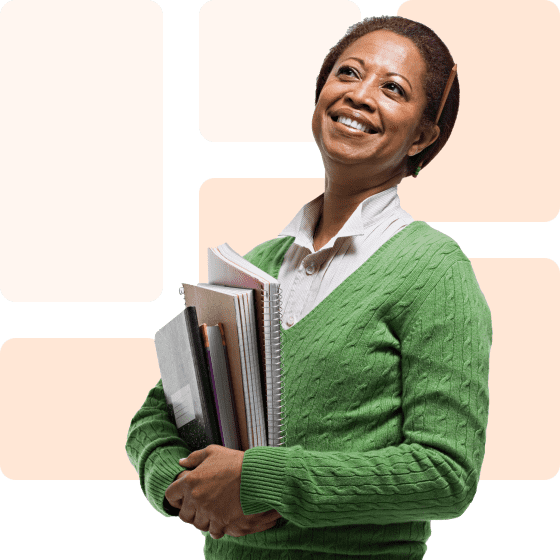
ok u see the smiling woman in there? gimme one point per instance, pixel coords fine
(376, 87)
(386, 340)
(435, 67)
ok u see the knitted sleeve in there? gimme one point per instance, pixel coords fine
(433, 473)
(154, 448)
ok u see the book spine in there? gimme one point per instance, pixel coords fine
(234, 408)
(206, 342)
(265, 353)
(202, 371)
(280, 424)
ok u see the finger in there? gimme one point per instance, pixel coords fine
(217, 536)
(262, 528)
(181, 475)
(175, 491)
(186, 517)
(242, 530)
(187, 513)
(201, 521)
(177, 504)
(269, 516)
(236, 532)
(174, 496)
(194, 459)
(216, 532)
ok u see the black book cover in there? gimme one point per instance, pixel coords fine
(211, 428)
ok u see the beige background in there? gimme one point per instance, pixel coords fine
(81, 107)
(86, 228)
(71, 404)
(73, 399)
(257, 77)
(503, 147)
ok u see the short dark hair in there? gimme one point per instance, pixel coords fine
(439, 63)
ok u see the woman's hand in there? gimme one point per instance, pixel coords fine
(209, 495)
(248, 524)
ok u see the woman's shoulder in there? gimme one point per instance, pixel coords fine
(438, 270)
(434, 245)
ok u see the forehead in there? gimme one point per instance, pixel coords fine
(385, 51)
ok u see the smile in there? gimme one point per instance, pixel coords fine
(354, 124)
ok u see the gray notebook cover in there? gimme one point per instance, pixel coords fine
(180, 383)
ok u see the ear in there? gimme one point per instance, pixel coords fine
(424, 138)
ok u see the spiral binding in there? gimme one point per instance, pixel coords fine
(278, 382)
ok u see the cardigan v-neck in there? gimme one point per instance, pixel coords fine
(395, 243)
(307, 276)
(357, 274)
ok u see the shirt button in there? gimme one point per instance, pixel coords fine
(310, 269)
(290, 321)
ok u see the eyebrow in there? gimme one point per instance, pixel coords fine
(387, 74)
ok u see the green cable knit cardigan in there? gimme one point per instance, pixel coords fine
(385, 386)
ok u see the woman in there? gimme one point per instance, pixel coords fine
(386, 340)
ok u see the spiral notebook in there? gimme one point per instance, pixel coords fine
(228, 268)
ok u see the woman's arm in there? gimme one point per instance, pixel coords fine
(434, 472)
(154, 448)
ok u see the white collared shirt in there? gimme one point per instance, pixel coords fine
(307, 276)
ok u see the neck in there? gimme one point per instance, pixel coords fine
(343, 194)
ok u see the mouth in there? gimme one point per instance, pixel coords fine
(354, 125)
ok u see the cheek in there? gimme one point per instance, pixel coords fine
(316, 121)
(403, 126)
(325, 100)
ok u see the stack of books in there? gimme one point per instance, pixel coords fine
(220, 359)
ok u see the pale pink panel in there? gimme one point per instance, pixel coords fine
(524, 422)
(70, 405)
(238, 211)
(499, 164)
(257, 76)
(81, 196)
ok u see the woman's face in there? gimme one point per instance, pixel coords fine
(377, 82)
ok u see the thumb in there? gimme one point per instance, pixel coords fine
(194, 459)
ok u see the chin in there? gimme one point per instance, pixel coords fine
(347, 149)
(345, 154)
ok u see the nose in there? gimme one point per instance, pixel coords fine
(361, 95)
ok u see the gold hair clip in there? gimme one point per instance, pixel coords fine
(441, 105)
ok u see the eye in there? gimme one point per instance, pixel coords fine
(398, 88)
(347, 70)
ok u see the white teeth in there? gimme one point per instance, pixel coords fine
(354, 124)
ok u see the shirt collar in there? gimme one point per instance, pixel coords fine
(364, 218)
